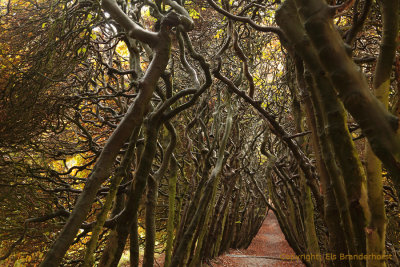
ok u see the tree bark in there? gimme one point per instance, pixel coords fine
(102, 216)
(376, 230)
(377, 123)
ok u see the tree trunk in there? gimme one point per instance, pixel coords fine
(376, 230)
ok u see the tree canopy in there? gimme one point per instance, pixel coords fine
(136, 132)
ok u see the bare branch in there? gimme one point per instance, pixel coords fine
(245, 20)
(133, 29)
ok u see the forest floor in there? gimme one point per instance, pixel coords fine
(268, 248)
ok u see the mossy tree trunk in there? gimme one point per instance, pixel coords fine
(376, 230)
(214, 180)
(102, 216)
(171, 211)
(311, 238)
(377, 123)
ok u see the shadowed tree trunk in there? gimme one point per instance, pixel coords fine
(377, 123)
(376, 230)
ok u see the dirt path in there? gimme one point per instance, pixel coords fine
(266, 249)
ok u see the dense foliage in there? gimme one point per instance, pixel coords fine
(143, 131)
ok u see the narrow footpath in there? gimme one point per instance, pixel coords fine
(268, 248)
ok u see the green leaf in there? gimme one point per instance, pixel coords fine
(81, 50)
